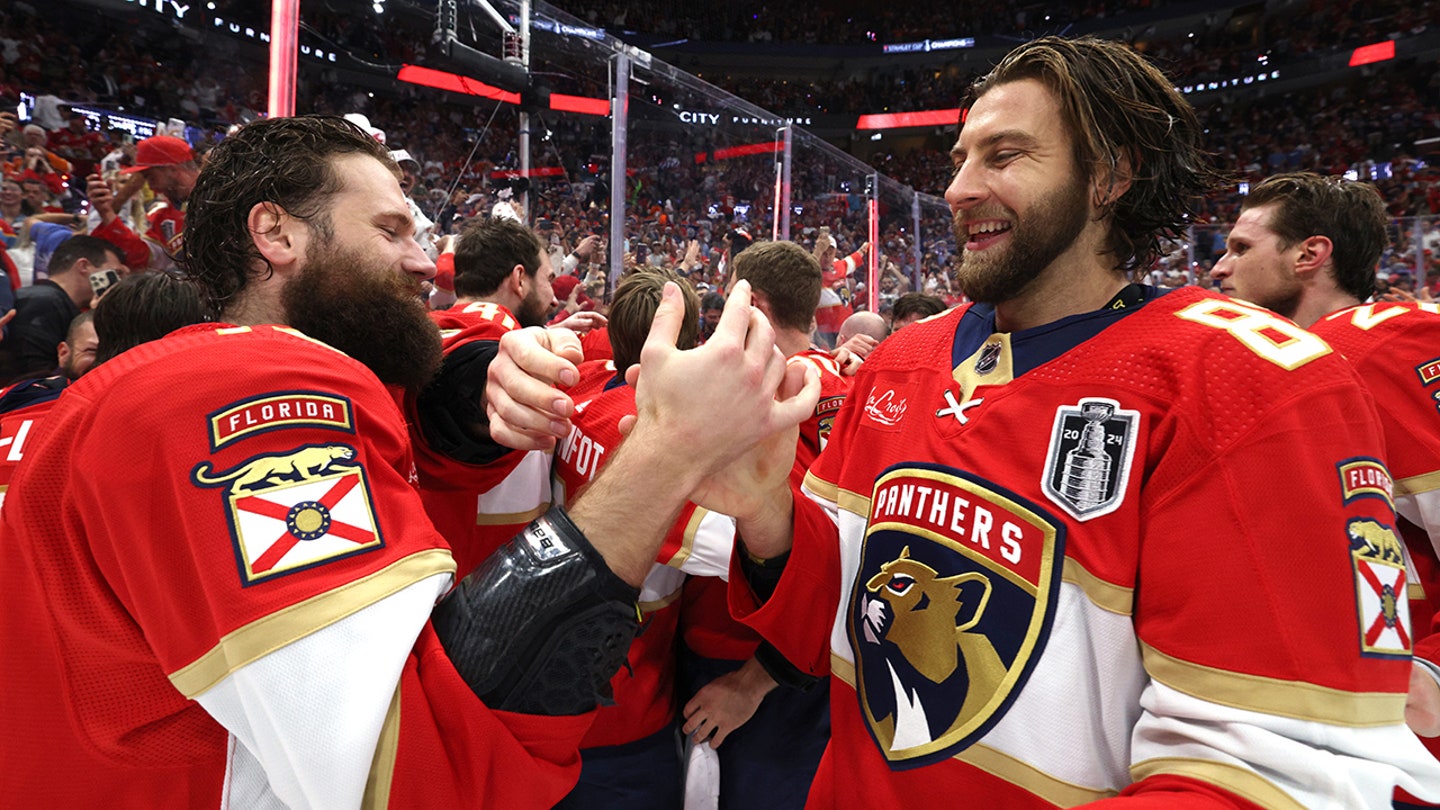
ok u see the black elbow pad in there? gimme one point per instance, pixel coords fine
(542, 625)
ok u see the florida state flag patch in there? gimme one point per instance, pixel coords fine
(951, 608)
(1384, 610)
(292, 511)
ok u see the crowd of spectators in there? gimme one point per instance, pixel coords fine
(677, 193)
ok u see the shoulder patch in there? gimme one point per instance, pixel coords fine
(1363, 477)
(292, 511)
(1087, 467)
(1380, 592)
(1429, 371)
(951, 608)
(282, 409)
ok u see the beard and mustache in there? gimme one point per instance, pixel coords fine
(367, 310)
(1037, 238)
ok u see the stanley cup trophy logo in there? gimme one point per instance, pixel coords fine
(1088, 464)
(1087, 468)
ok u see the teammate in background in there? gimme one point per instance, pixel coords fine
(1306, 247)
(859, 335)
(1035, 543)
(915, 306)
(769, 740)
(631, 758)
(503, 280)
(264, 591)
(168, 166)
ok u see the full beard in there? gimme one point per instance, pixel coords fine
(368, 311)
(999, 274)
(531, 311)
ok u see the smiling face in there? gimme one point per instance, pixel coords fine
(1257, 266)
(1018, 201)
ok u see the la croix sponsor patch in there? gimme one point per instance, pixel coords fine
(291, 511)
(283, 409)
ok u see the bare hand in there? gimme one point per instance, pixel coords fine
(582, 322)
(860, 345)
(734, 404)
(102, 198)
(527, 409)
(8, 122)
(586, 249)
(726, 703)
(849, 361)
(1422, 705)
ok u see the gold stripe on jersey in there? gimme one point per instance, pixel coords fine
(1052, 789)
(1416, 484)
(1273, 696)
(382, 768)
(1243, 782)
(1104, 595)
(842, 669)
(687, 546)
(821, 487)
(263, 636)
(482, 519)
(854, 503)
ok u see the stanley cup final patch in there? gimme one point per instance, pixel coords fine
(1380, 594)
(292, 511)
(951, 608)
(1087, 467)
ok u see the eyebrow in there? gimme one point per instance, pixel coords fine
(1018, 136)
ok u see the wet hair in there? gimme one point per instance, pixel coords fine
(285, 161)
(1119, 108)
(488, 250)
(636, 300)
(1350, 214)
(788, 277)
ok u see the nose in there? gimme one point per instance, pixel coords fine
(965, 189)
(415, 263)
(1221, 270)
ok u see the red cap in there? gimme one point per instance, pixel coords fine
(564, 285)
(159, 150)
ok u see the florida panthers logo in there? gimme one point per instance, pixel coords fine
(950, 610)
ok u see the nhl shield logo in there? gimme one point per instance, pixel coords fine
(293, 511)
(1088, 465)
(950, 609)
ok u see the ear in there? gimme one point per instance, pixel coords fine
(1312, 254)
(1111, 184)
(279, 237)
(62, 352)
(518, 279)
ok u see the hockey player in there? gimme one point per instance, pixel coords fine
(1081, 539)
(238, 579)
(1306, 247)
(631, 756)
(478, 493)
(769, 722)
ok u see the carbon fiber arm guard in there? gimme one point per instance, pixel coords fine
(542, 625)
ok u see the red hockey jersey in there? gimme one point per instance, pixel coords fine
(1396, 349)
(478, 507)
(1115, 554)
(698, 543)
(220, 597)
